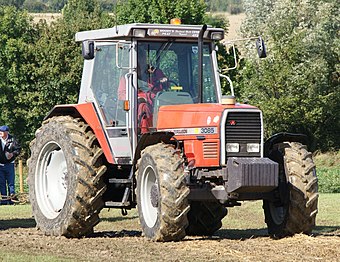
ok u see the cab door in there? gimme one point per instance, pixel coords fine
(111, 77)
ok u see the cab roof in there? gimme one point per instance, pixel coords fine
(150, 31)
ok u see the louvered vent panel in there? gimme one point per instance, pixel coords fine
(210, 150)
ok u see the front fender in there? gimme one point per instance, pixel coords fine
(149, 139)
(283, 137)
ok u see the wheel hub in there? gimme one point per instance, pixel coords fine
(154, 195)
(51, 180)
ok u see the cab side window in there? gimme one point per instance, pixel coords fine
(107, 84)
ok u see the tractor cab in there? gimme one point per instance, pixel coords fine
(131, 71)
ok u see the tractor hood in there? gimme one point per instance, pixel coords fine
(194, 115)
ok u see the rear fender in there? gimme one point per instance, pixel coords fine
(89, 114)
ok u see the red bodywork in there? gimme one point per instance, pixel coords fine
(186, 121)
(193, 124)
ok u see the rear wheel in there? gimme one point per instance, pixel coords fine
(296, 209)
(162, 193)
(205, 218)
(65, 177)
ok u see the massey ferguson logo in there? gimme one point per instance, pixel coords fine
(232, 122)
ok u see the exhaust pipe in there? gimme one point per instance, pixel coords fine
(200, 63)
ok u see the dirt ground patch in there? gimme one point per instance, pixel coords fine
(131, 246)
(119, 238)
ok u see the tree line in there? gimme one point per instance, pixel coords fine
(296, 86)
(37, 6)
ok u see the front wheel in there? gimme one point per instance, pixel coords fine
(162, 193)
(296, 208)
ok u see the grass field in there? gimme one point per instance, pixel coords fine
(243, 237)
(328, 171)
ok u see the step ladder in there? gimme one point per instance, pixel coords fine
(129, 189)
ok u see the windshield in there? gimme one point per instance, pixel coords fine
(173, 66)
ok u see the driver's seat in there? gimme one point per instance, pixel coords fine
(169, 98)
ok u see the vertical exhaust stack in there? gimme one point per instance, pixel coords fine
(200, 63)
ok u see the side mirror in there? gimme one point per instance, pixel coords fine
(261, 48)
(88, 49)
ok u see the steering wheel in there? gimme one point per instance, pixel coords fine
(169, 81)
(165, 83)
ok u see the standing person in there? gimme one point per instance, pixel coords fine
(9, 150)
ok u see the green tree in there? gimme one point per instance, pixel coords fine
(108, 5)
(297, 86)
(40, 66)
(34, 6)
(17, 38)
(15, 3)
(161, 11)
(58, 61)
(56, 5)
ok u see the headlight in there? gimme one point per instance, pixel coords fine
(253, 148)
(233, 147)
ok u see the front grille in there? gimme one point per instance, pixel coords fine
(243, 128)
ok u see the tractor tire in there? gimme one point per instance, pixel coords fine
(65, 177)
(296, 210)
(162, 193)
(205, 218)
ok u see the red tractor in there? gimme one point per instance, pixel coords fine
(151, 129)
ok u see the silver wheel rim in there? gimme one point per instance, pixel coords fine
(150, 213)
(50, 180)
